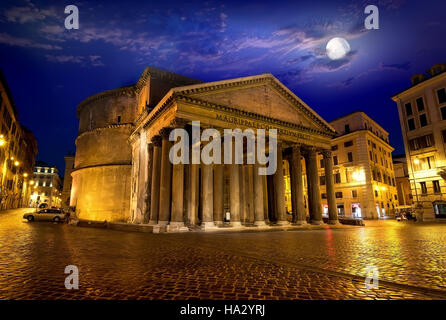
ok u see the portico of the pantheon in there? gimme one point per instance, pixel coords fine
(123, 172)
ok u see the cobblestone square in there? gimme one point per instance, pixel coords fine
(307, 264)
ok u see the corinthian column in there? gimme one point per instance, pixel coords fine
(329, 185)
(148, 188)
(297, 187)
(177, 220)
(234, 186)
(165, 179)
(218, 191)
(259, 212)
(155, 186)
(208, 196)
(314, 196)
(279, 188)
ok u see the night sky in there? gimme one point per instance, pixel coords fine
(50, 70)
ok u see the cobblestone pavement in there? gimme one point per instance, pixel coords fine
(316, 264)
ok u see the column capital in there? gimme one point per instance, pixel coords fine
(164, 132)
(178, 123)
(296, 147)
(156, 140)
(326, 153)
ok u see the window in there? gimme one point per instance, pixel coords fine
(324, 196)
(420, 104)
(441, 94)
(322, 163)
(347, 128)
(376, 193)
(423, 120)
(371, 155)
(354, 193)
(338, 194)
(348, 143)
(421, 142)
(335, 159)
(350, 157)
(337, 178)
(334, 148)
(322, 180)
(424, 163)
(408, 109)
(423, 187)
(436, 185)
(119, 119)
(411, 124)
(443, 113)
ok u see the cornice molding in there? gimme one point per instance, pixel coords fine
(111, 126)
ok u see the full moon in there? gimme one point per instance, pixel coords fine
(337, 48)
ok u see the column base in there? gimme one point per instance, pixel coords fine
(152, 222)
(333, 222)
(316, 222)
(163, 223)
(208, 225)
(282, 223)
(260, 223)
(236, 224)
(219, 223)
(301, 222)
(176, 227)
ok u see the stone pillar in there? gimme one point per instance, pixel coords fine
(234, 186)
(165, 179)
(329, 185)
(297, 187)
(314, 195)
(155, 186)
(177, 221)
(279, 189)
(207, 196)
(148, 193)
(259, 211)
(250, 193)
(218, 193)
(193, 200)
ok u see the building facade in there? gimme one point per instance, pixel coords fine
(47, 186)
(18, 149)
(122, 170)
(363, 170)
(422, 113)
(66, 189)
(402, 181)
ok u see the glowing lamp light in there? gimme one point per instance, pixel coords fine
(2, 140)
(416, 161)
(25, 174)
(31, 182)
(358, 175)
(16, 163)
(383, 188)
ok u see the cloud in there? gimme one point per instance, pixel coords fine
(29, 13)
(64, 58)
(96, 61)
(93, 60)
(25, 43)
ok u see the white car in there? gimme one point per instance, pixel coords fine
(55, 215)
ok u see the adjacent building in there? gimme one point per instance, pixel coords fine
(422, 113)
(66, 190)
(362, 167)
(18, 149)
(402, 181)
(47, 186)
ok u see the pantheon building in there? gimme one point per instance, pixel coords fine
(122, 171)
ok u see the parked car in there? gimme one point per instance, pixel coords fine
(55, 215)
(43, 205)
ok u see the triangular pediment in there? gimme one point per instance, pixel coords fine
(263, 95)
